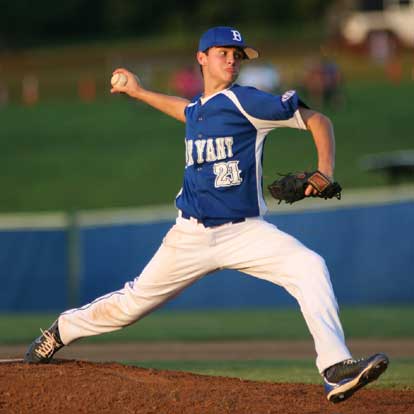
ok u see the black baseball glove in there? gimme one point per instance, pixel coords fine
(291, 187)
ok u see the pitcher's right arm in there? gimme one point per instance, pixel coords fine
(171, 105)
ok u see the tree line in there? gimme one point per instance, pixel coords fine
(25, 23)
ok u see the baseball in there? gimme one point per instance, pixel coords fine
(119, 79)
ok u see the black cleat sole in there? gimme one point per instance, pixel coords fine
(369, 376)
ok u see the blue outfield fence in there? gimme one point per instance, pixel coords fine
(369, 251)
(33, 266)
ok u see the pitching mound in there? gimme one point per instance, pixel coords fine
(67, 386)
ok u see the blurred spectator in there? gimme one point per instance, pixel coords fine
(323, 82)
(187, 82)
(30, 90)
(381, 47)
(264, 77)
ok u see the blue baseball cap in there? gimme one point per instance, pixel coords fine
(225, 36)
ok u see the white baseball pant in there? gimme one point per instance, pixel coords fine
(189, 251)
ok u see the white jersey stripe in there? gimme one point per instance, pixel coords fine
(267, 125)
(259, 172)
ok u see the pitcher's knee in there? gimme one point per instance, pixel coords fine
(311, 265)
(317, 261)
(310, 257)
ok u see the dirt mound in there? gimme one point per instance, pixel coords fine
(67, 386)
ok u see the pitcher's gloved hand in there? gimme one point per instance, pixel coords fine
(291, 187)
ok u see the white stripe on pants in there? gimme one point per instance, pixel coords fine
(189, 251)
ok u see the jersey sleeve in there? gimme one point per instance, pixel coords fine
(267, 111)
(191, 104)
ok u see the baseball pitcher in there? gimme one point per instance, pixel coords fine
(220, 208)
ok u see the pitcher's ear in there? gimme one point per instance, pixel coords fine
(201, 58)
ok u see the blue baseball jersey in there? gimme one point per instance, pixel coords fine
(225, 135)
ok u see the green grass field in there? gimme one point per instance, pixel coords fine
(268, 324)
(274, 324)
(117, 153)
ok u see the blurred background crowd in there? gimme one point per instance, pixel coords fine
(67, 51)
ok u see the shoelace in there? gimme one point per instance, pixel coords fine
(353, 361)
(47, 345)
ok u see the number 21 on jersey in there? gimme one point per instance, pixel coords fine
(227, 174)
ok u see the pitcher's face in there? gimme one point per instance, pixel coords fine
(221, 64)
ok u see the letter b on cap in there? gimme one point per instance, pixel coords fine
(236, 35)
